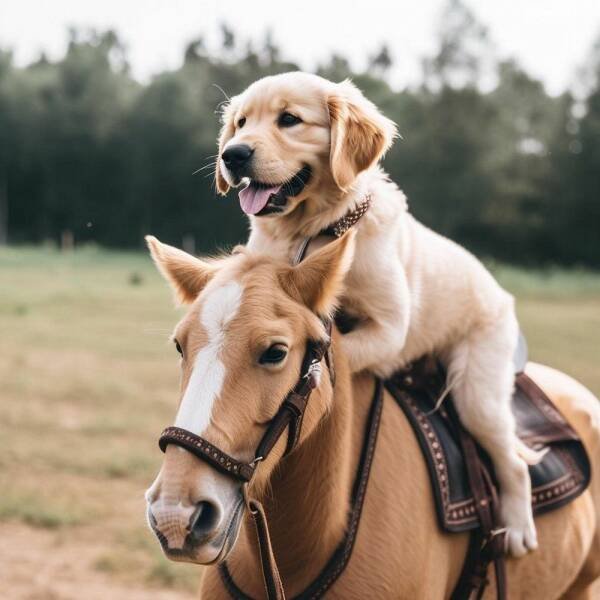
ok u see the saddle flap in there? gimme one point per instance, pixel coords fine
(562, 475)
(538, 421)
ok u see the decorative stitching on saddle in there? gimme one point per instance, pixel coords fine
(464, 511)
(562, 488)
(455, 513)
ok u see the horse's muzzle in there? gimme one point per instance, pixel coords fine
(194, 512)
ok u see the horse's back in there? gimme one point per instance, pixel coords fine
(424, 562)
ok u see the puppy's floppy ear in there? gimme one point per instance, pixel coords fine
(187, 274)
(318, 281)
(227, 132)
(360, 134)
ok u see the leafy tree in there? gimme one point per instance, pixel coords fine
(381, 61)
(573, 189)
(8, 129)
(486, 156)
(464, 52)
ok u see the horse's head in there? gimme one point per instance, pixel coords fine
(242, 343)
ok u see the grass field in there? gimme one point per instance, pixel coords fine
(88, 381)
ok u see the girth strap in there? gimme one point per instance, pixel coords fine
(490, 542)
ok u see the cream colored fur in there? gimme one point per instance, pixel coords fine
(414, 291)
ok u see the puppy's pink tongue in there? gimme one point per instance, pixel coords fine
(254, 199)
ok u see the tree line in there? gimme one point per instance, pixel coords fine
(487, 156)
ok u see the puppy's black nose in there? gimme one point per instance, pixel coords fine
(236, 158)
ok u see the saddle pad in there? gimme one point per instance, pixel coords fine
(561, 476)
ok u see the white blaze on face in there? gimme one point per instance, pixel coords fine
(208, 373)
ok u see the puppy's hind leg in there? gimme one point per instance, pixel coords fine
(481, 371)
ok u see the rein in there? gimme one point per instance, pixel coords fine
(339, 559)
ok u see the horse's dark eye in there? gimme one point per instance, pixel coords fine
(241, 122)
(273, 355)
(178, 348)
(287, 119)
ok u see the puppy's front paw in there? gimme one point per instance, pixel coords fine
(517, 516)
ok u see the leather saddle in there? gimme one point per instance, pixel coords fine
(562, 475)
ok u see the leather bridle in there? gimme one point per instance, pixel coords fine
(485, 547)
(288, 418)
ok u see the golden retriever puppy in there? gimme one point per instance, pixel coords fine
(306, 152)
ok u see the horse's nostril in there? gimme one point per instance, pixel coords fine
(204, 519)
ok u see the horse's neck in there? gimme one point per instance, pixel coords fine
(307, 506)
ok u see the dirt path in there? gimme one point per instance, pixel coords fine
(39, 564)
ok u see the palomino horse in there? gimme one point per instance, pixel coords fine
(242, 343)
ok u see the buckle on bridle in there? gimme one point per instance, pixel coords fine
(255, 461)
(313, 374)
(492, 535)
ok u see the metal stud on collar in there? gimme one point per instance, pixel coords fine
(340, 227)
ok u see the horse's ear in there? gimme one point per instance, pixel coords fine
(187, 274)
(360, 134)
(318, 281)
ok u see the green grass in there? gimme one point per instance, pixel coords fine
(559, 311)
(548, 283)
(89, 379)
(36, 511)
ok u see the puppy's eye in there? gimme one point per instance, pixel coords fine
(273, 355)
(287, 119)
(241, 122)
(178, 347)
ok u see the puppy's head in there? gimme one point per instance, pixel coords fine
(292, 137)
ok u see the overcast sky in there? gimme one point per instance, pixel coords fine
(549, 37)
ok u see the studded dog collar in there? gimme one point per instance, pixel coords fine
(351, 218)
(336, 229)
